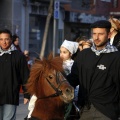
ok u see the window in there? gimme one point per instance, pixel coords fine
(34, 9)
(115, 3)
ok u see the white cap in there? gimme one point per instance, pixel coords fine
(70, 45)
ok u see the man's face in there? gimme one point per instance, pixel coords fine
(100, 37)
(5, 41)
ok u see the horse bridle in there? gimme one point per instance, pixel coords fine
(57, 90)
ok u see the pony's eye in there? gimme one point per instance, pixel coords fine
(50, 77)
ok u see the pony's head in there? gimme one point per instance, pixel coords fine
(46, 80)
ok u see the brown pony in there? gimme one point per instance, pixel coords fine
(50, 87)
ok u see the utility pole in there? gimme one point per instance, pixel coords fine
(56, 16)
(50, 11)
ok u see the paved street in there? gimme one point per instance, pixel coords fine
(22, 110)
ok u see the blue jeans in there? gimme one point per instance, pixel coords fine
(8, 112)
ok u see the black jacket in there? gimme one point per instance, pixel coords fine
(99, 79)
(13, 72)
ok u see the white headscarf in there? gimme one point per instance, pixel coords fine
(70, 45)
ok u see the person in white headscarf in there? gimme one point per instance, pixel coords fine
(67, 49)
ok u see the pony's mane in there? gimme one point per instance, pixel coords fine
(39, 68)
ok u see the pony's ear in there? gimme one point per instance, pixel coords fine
(37, 60)
(50, 56)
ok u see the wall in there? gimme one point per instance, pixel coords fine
(115, 11)
(102, 8)
(6, 14)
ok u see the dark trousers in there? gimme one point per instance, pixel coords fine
(92, 114)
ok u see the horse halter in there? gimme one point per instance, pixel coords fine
(58, 91)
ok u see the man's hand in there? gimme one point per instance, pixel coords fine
(26, 100)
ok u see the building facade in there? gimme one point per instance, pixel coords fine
(70, 19)
(80, 14)
(115, 8)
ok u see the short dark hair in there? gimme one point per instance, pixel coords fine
(102, 24)
(81, 38)
(6, 31)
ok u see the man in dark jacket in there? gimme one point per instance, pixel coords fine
(13, 72)
(97, 71)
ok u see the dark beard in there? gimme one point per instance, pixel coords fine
(103, 44)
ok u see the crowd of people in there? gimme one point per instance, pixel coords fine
(90, 65)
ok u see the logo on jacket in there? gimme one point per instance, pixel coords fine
(102, 67)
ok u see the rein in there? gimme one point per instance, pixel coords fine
(58, 91)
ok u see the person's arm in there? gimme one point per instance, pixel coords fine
(24, 73)
(26, 100)
(118, 79)
(73, 77)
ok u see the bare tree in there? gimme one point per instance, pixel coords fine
(50, 11)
